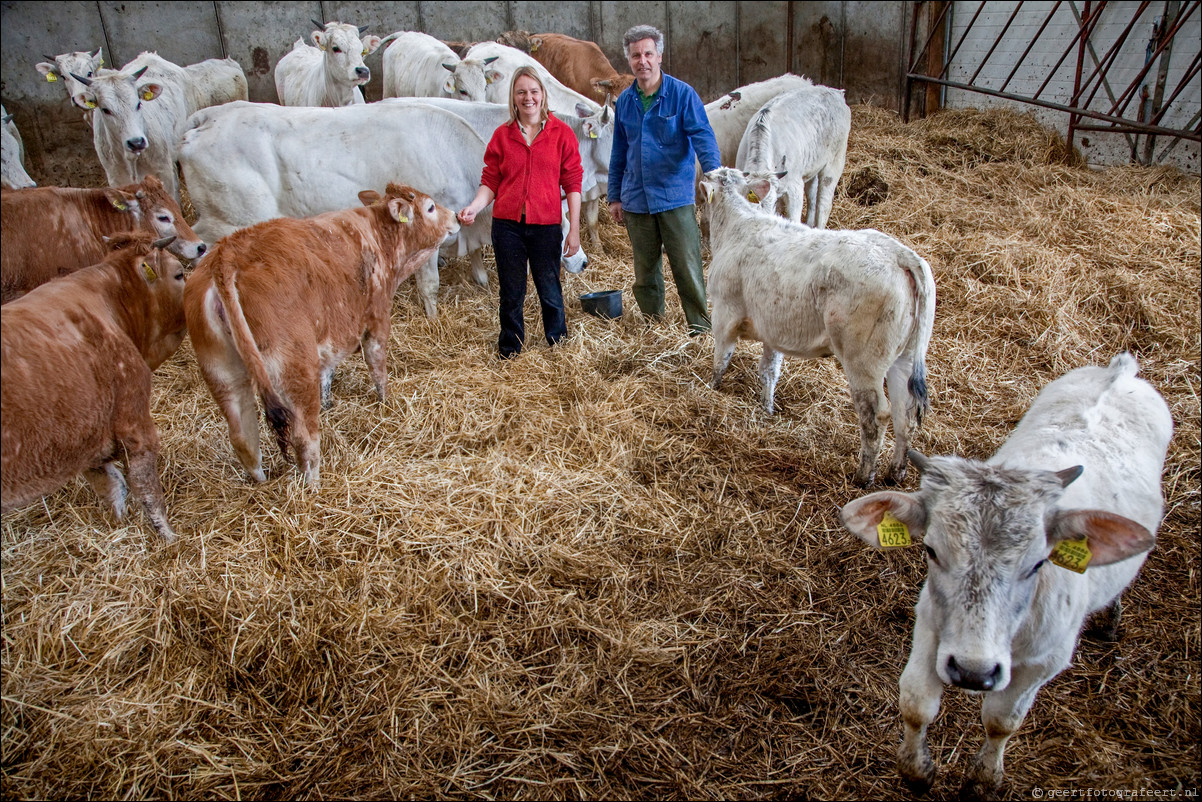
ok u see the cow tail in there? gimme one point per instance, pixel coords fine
(277, 411)
(920, 333)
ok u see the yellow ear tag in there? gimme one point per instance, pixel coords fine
(119, 206)
(1072, 554)
(403, 219)
(148, 95)
(892, 532)
(365, 51)
(89, 104)
(51, 77)
(592, 134)
(150, 274)
(754, 198)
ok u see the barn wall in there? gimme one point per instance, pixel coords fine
(714, 45)
(1097, 148)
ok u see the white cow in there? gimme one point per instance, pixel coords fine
(806, 292)
(418, 65)
(59, 69)
(249, 162)
(560, 99)
(214, 81)
(12, 150)
(1079, 478)
(594, 135)
(329, 74)
(140, 117)
(729, 114)
(802, 133)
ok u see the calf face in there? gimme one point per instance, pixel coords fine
(63, 68)
(344, 48)
(119, 97)
(161, 216)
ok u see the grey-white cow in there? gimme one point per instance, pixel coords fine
(329, 74)
(12, 150)
(806, 292)
(1081, 474)
(802, 133)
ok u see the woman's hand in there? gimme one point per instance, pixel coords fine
(467, 215)
(571, 243)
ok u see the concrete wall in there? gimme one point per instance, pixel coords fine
(1096, 147)
(715, 45)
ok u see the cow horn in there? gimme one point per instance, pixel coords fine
(363, 29)
(490, 60)
(138, 74)
(48, 58)
(448, 67)
(164, 242)
(321, 26)
(8, 118)
(82, 80)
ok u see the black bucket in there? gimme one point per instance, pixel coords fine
(606, 303)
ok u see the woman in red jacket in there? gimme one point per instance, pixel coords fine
(527, 162)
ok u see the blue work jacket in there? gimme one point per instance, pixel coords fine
(653, 165)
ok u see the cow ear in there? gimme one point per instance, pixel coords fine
(1106, 537)
(583, 110)
(119, 200)
(149, 91)
(708, 189)
(369, 196)
(48, 69)
(371, 44)
(493, 76)
(535, 43)
(448, 85)
(99, 56)
(400, 210)
(895, 516)
(760, 186)
(319, 39)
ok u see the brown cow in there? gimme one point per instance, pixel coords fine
(77, 356)
(578, 64)
(275, 307)
(51, 231)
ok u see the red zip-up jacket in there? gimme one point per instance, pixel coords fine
(527, 178)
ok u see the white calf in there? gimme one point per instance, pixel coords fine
(418, 65)
(805, 292)
(329, 74)
(803, 133)
(59, 69)
(12, 151)
(1077, 484)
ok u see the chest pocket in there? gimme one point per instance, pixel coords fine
(664, 129)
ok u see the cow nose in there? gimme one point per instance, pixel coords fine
(363, 72)
(200, 250)
(972, 680)
(137, 144)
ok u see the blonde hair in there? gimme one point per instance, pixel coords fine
(513, 104)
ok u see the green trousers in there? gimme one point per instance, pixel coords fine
(676, 232)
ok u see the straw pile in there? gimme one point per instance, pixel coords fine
(585, 574)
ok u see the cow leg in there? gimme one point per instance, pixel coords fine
(871, 405)
(427, 285)
(144, 480)
(812, 202)
(235, 395)
(769, 374)
(919, 693)
(1002, 713)
(479, 274)
(304, 435)
(724, 343)
(110, 485)
(903, 415)
(375, 354)
(327, 379)
(826, 198)
(591, 212)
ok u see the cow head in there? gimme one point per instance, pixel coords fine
(344, 48)
(611, 87)
(119, 97)
(727, 186)
(155, 211)
(594, 130)
(988, 533)
(469, 78)
(424, 224)
(150, 272)
(63, 68)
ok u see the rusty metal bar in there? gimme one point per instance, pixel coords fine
(935, 27)
(952, 56)
(1111, 54)
(1124, 99)
(1030, 45)
(1017, 7)
(1194, 68)
(1082, 32)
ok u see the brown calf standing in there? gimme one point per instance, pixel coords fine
(577, 63)
(77, 356)
(275, 307)
(51, 231)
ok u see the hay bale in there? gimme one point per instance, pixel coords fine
(584, 573)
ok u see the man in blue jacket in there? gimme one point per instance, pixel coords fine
(661, 130)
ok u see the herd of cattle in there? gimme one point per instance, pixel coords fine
(297, 256)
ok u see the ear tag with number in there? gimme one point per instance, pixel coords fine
(892, 532)
(1072, 554)
(51, 77)
(403, 219)
(754, 198)
(148, 95)
(150, 274)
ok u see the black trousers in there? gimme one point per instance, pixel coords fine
(516, 245)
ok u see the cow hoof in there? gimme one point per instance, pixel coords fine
(918, 783)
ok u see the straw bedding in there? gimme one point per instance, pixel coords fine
(585, 574)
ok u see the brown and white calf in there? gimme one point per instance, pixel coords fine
(52, 231)
(1076, 484)
(77, 359)
(274, 308)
